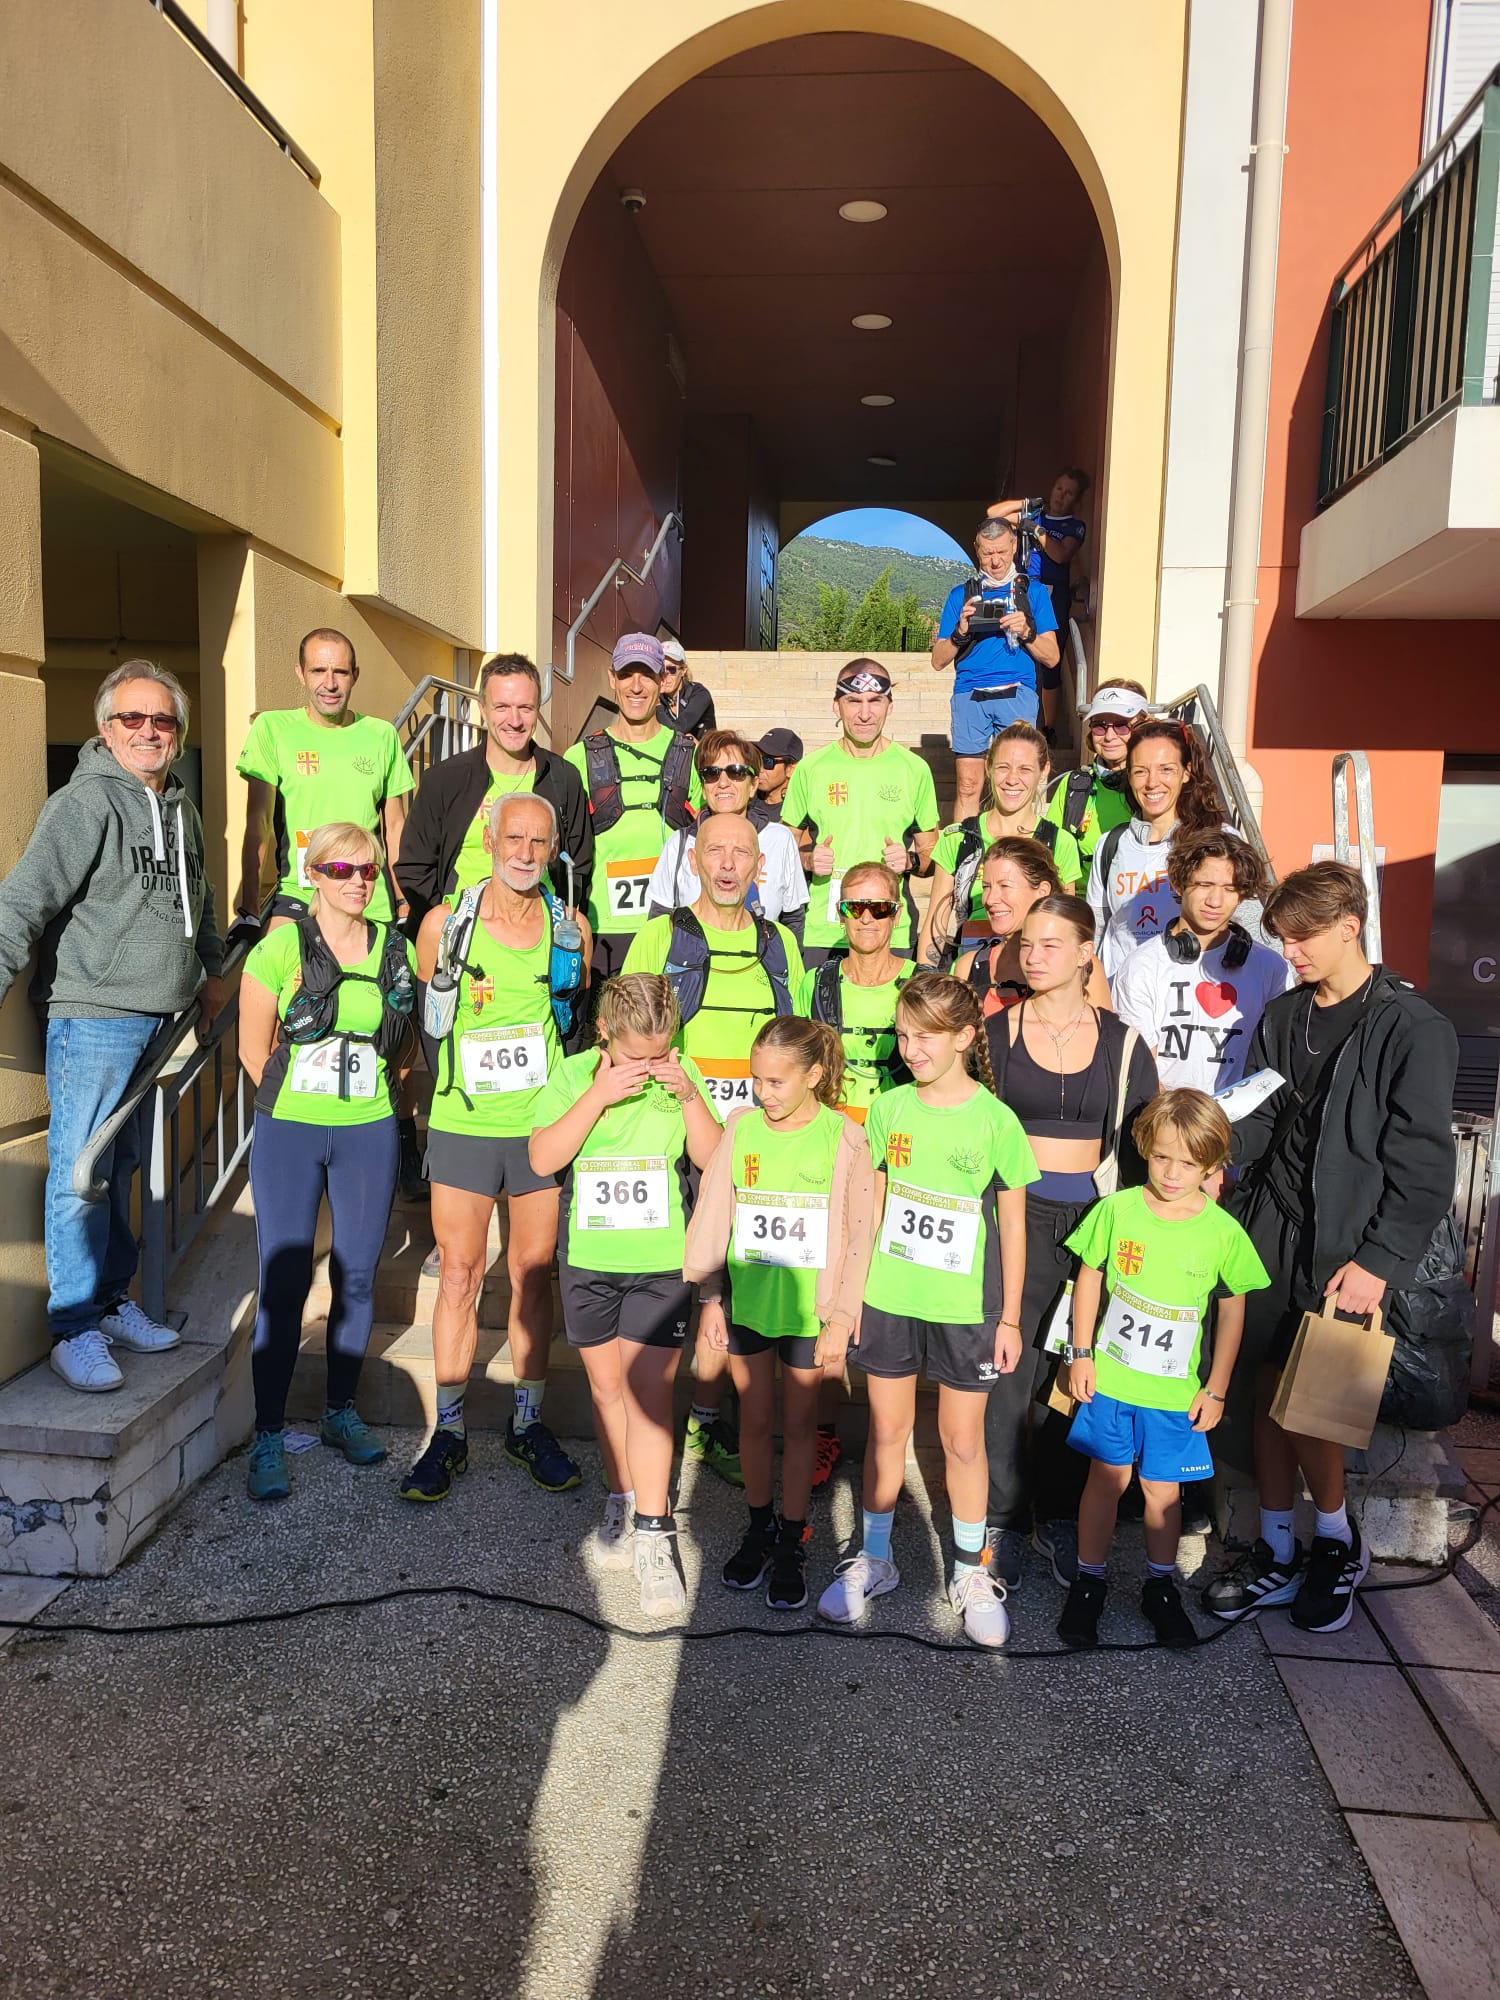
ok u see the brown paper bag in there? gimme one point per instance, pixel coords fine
(1058, 1398)
(1334, 1378)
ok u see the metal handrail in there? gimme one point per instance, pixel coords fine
(617, 574)
(1364, 834)
(455, 721)
(230, 77)
(1197, 711)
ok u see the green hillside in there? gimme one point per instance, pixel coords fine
(811, 560)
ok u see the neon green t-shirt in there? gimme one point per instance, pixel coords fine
(307, 1079)
(626, 854)
(473, 863)
(504, 1046)
(737, 1000)
(779, 1240)
(937, 1256)
(1064, 850)
(857, 804)
(323, 774)
(869, 1036)
(623, 1196)
(1158, 1276)
(1108, 805)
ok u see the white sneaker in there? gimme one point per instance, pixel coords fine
(662, 1594)
(980, 1600)
(128, 1327)
(855, 1582)
(83, 1362)
(609, 1546)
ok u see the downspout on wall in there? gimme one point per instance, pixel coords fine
(1267, 155)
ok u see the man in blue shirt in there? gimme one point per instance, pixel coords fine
(1057, 536)
(994, 676)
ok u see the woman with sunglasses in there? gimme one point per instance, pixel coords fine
(1017, 766)
(325, 1034)
(683, 705)
(1171, 790)
(1015, 874)
(728, 766)
(1089, 801)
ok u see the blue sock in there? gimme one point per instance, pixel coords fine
(1161, 1569)
(877, 1542)
(1092, 1569)
(968, 1544)
(528, 1397)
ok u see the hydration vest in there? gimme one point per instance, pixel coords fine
(606, 787)
(993, 998)
(971, 851)
(828, 1007)
(312, 1013)
(689, 962)
(564, 966)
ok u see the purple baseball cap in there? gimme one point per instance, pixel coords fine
(638, 649)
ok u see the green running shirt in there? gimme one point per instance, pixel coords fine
(625, 856)
(504, 1045)
(869, 1036)
(307, 1077)
(1108, 806)
(937, 1257)
(858, 804)
(976, 925)
(473, 863)
(782, 1189)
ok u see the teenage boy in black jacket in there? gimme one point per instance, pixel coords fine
(442, 846)
(1351, 1167)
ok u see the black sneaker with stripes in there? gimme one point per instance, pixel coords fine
(1325, 1602)
(1257, 1580)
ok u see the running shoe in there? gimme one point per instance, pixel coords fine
(1079, 1624)
(266, 1477)
(1007, 1546)
(855, 1582)
(1162, 1604)
(1255, 1581)
(748, 1565)
(1058, 1542)
(716, 1446)
(1325, 1602)
(829, 1457)
(979, 1599)
(348, 1432)
(787, 1587)
(432, 1477)
(611, 1545)
(543, 1457)
(84, 1361)
(655, 1558)
(128, 1327)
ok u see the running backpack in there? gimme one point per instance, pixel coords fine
(828, 1007)
(312, 1013)
(564, 966)
(1078, 793)
(606, 787)
(688, 962)
(993, 997)
(966, 866)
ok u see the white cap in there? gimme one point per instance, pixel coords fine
(673, 650)
(1117, 701)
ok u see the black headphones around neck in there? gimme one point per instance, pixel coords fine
(1183, 947)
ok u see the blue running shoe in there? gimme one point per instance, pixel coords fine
(543, 1457)
(267, 1477)
(347, 1432)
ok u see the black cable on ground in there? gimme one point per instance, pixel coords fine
(681, 1635)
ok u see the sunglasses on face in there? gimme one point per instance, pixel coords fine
(771, 763)
(137, 718)
(866, 906)
(712, 772)
(1109, 725)
(344, 871)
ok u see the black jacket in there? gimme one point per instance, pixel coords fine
(1141, 1084)
(446, 802)
(695, 710)
(1384, 1164)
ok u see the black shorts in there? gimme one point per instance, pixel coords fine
(958, 1357)
(610, 1305)
(480, 1164)
(1273, 1317)
(792, 1350)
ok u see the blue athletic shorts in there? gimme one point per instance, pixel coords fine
(1161, 1443)
(974, 723)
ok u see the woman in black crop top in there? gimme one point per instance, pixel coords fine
(1058, 1060)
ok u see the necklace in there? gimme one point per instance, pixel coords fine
(1060, 1038)
(1362, 996)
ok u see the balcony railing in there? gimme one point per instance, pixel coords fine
(1415, 314)
(188, 28)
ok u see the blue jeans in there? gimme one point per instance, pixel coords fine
(91, 1247)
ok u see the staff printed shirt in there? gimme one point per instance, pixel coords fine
(857, 804)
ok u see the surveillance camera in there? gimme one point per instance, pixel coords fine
(632, 200)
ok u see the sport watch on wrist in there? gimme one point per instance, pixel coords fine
(1072, 1353)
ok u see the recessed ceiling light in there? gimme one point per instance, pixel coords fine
(877, 402)
(876, 459)
(863, 211)
(870, 322)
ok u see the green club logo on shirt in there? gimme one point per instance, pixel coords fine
(367, 767)
(967, 1160)
(890, 795)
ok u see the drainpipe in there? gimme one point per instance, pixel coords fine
(1253, 414)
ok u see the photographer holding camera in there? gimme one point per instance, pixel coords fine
(995, 631)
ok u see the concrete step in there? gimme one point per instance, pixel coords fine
(1399, 1491)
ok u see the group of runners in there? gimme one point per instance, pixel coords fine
(678, 1008)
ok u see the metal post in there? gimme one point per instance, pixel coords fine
(154, 1211)
(1488, 1268)
(1364, 817)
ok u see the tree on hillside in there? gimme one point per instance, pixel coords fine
(880, 623)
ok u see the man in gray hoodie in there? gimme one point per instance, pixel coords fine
(113, 888)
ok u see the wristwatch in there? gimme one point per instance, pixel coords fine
(1072, 1353)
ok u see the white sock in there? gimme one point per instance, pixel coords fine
(1335, 1526)
(628, 1496)
(1276, 1532)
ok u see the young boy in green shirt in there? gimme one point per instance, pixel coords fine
(1157, 1253)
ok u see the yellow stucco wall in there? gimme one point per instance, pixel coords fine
(1109, 86)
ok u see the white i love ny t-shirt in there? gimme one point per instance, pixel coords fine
(1198, 1017)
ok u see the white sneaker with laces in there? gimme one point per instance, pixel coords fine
(979, 1599)
(128, 1327)
(662, 1594)
(609, 1546)
(855, 1582)
(83, 1362)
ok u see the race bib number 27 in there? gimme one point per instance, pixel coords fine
(627, 884)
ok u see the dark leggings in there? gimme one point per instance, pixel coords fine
(292, 1167)
(1033, 1470)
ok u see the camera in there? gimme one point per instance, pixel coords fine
(995, 601)
(632, 200)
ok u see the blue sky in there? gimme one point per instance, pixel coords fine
(887, 528)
